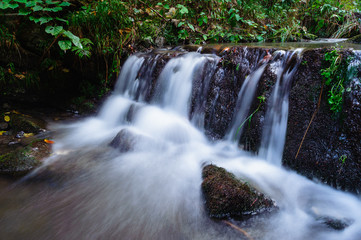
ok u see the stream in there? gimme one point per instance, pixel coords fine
(151, 188)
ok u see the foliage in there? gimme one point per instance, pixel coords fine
(43, 12)
(101, 34)
(335, 76)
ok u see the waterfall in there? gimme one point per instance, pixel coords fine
(134, 171)
(274, 131)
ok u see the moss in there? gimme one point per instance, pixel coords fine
(28, 124)
(17, 162)
(356, 39)
(227, 196)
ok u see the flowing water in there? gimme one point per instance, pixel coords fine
(152, 190)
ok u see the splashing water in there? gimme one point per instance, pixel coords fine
(153, 190)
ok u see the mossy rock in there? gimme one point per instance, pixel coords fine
(21, 122)
(17, 162)
(227, 196)
(356, 39)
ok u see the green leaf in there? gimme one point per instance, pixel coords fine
(62, 20)
(13, 5)
(73, 38)
(64, 44)
(180, 24)
(191, 26)
(34, 19)
(54, 9)
(30, 4)
(50, 2)
(64, 4)
(45, 20)
(37, 8)
(24, 11)
(54, 30)
(4, 5)
(205, 37)
(21, 1)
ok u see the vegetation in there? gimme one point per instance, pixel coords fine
(336, 75)
(80, 34)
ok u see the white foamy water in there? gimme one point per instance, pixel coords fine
(94, 191)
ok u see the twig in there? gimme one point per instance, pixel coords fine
(309, 124)
(238, 229)
(47, 50)
(9, 14)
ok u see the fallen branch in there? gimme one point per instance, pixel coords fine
(309, 124)
(238, 229)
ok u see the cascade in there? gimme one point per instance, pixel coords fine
(150, 189)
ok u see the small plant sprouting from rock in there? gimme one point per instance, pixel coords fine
(261, 99)
(343, 159)
(335, 76)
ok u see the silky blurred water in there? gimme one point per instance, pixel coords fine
(89, 190)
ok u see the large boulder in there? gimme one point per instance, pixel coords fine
(227, 196)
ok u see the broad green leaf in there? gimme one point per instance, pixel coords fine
(30, 4)
(13, 5)
(54, 30)
(37, 8)
(45, 20)
(4, 5)
(24, 11)
(54, 9)
(64, 44)
(73, 38)
(191, 26)
(64, 4)
(21, 1)
(50, 2)
(34, 19)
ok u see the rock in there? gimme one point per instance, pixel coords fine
(356, 39)
(3, 126)
(127, 140)
(124, 141)
(337, 224)
(28, 124)
(18, 162)
(226, 196)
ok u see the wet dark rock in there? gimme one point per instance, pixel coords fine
(337, 224)
(236, 64)
(124, 141)
(226, 196)
(331, 148)
(127, 140)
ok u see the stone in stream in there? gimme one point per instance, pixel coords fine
(127, 140)
(226, 196)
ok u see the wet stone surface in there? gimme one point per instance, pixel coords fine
(226, 196)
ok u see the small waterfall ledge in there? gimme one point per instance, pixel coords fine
(217, 97)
